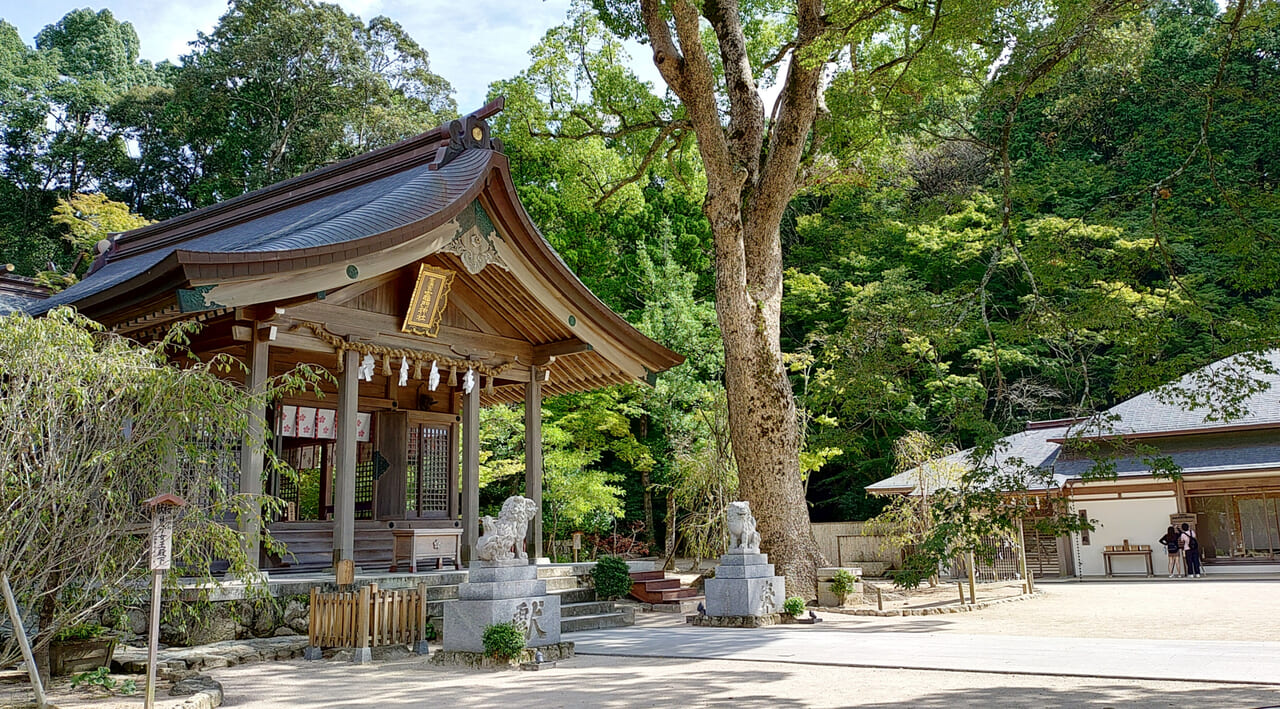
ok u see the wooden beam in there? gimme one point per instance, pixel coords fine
(471, 471)
(251, 450)
(533, 456)
(349, 293)
(344, 497)
(385, 329)
(563, 347)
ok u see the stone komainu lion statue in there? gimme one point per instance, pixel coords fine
(743, 537)
(502, 536)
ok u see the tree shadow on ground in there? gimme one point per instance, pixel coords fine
(1117, 695)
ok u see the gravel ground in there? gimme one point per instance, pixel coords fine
(638, 682)
(1162, 609)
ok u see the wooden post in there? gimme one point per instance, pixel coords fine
(344, 488)
(973, 591)
(361, 654)
(313, 651)
(251, 450)
(1022, 558)
(470, 471)
(960, 586)
(163, 511)
(533, 456)
(421, 647)
(15, 621)
(879, 599)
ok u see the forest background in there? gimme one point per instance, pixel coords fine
(978, 243)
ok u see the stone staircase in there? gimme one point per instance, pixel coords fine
(579, 609)
(663, 593)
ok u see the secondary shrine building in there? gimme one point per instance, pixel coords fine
(414, 275)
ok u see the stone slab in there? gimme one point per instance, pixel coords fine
(482, 564)
(465, 621)
(826, 573)
(497, 574)
(737, 559)
(745, 572)
(749, 596)
(502, 589)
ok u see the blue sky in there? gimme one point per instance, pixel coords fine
(471, 43)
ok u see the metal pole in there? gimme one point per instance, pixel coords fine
(154, 641)
(19, 631)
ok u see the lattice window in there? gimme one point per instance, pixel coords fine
(433, 469)
(364, 480)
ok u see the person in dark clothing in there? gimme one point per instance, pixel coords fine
(1191, 550)
(1172, 541)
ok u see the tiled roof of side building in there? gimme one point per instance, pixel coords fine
(1032, 447)
(1166, 410)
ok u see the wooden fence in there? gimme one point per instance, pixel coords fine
(368, 618)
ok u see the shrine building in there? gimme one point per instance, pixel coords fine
(412, 274)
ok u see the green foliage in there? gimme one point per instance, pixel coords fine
(80, 631)
(793, 605)
(843, 583)
(504, 641)
(104, 410)
(916, 569)
(612, 577)
(101, 678)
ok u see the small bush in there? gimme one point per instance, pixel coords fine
(794, 605)
(83, 631)
(916, 569)
(843, 583)
(612, 578)
(503, 641)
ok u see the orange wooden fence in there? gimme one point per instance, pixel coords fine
(368, 618)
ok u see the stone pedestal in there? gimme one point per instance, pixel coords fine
(745, 585)
(499, 592)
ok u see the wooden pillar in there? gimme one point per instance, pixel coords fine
(470, 471)
(344, 484)
(533, 456)
(392, 428)
(251, 449)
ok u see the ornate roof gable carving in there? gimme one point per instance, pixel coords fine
(473, 242)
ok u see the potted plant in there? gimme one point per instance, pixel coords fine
(843, 585)
(80, 648)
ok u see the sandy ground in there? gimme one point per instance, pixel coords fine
(1204, 609)
(1163, 609)
(638, 682)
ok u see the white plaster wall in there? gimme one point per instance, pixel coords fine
(1141, 520)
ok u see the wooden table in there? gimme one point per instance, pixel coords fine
(1146, 553)
(425, 544)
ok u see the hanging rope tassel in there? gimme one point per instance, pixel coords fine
(417, 369)
(386, 364)
(488, 387)
(453, 376)
(342, 356)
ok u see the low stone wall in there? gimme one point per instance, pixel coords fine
(477, 660)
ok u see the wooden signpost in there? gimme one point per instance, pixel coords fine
(164, 511)
(21, 634)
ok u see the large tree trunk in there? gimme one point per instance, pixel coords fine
(752, 166)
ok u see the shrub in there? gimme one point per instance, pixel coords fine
(794, 605)
(916, 568)
(82, 631)
(503, 641)
(612, 578)
(842, 583)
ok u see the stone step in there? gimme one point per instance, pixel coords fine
(597, 621)
(574, 595)
(561, 583)
(681, 605)
(570, 610)
(660, 584)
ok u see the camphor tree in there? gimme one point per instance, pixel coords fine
(91, 425)
(716, 56)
